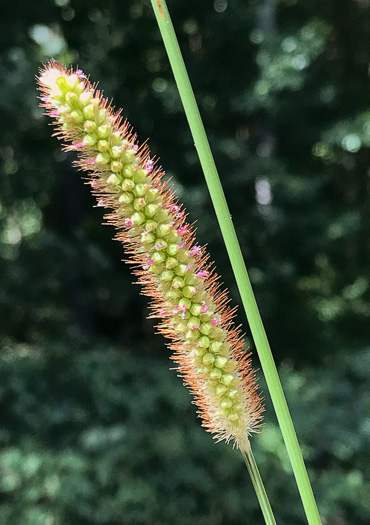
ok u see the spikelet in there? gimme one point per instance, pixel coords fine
(174, 271)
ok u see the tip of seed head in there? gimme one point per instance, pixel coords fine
(49, 75)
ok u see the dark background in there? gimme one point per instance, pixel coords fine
(94, 427)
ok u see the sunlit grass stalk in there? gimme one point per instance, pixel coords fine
(237, 261)
(258, 486)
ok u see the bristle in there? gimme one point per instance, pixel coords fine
(175, 272)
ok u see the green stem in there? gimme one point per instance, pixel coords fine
(258, 486)
(236, 259)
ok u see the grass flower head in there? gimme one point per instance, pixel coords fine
(174, 271)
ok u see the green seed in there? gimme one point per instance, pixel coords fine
(140, 189)
(208, 359)
(151, 210)
(226, 403)
(161, 216)
(90, 140)
(89, 112)
(138, 218)
(174, 236)
(181, 270)
(196, 309)
(172, 294)
(139, 203)
(103, 145)
(221, 361)
(116, 139)
(160, 245)
(202, 370)
(191, 335)
(62, 83)
(102, 158)
(185, 303)
(139, 176)
(172, 249)
(227, 379)
(126, 198)
(116, 152)
(71, 98)
(181, 327)
(128, 171)
(103, 131)
(156, 269)
(233, 392)
(150, 225)
(163, 230)
(127, 185)
(216, 374)
(158, 257)
(89, 126)
(85, 98)
(171, 263)
(127, 156)
(101, 120)
(113, 179)
(206, 328)
(153, 194)
(183, 256)
(215, 346)
(204, 343)
(178, 282)
(189, 291)
(77, 116)
(167, 275)
(220, 389)
(116, 166)
(193, 321)
(147, 238)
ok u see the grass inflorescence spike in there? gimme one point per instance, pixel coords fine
(174, 271)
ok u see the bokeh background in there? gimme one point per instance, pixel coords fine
(94, 427)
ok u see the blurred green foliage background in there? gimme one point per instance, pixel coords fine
(94, 428)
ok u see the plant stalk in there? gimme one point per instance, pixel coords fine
(236, 259)
(258, 486)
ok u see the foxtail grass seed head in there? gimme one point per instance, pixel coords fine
(174, 271)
